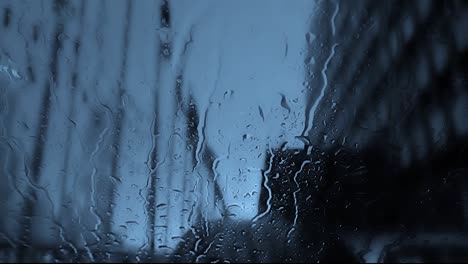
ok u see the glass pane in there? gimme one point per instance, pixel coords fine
(233, 131)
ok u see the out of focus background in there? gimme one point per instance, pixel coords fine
(233, 131)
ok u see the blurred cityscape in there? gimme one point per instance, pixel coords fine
(240, 131)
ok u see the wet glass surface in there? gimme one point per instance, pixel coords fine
(233, 131)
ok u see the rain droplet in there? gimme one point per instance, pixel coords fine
(284, 103)
(260, 111)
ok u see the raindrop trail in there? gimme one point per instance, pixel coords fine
(150, 187)
(207, 228)
(265, 184)
(214, 168)
(46, 193)
(322, 92)
(8, 240)
(93, 162)
(202, 126)
(215, 172)
(298, 190)
(201, 142)
(10, 176)
(197, 157)
(337, 9)
(198, 259)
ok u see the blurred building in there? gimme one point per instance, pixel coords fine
(387, 133)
